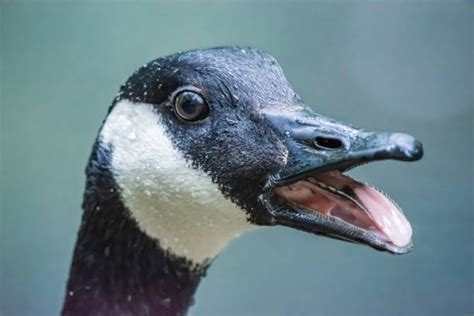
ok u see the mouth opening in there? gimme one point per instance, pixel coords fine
(336, 195)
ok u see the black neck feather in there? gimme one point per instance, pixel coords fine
(116, 268)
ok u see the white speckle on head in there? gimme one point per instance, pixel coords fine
(171, 201)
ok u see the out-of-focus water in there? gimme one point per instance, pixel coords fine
(390, 65)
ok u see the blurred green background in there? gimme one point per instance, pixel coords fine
(387, 65)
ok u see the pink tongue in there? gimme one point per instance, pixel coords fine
(385, 214)
(388, 218)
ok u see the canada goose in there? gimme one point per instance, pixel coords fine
(200, 147)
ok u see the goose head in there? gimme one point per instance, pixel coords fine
(208, 144)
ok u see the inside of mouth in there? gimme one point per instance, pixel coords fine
(335, 194)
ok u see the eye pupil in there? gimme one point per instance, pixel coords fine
(190, 106)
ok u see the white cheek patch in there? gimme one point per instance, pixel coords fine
(170, 200)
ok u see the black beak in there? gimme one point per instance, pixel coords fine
(318, 143)
(311, 193)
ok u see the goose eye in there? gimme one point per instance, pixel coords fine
(190, 106)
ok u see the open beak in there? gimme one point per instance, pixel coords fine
(312, 193)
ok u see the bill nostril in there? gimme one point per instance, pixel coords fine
(327, 143)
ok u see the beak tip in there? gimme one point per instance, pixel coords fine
(410, 148)
(414, 152)
(417, 152)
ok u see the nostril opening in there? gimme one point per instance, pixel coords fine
(327, 143)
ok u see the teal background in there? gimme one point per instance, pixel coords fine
(386, 65)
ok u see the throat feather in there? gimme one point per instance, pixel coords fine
(116, 268)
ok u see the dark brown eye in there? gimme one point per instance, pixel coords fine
(190, 106)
